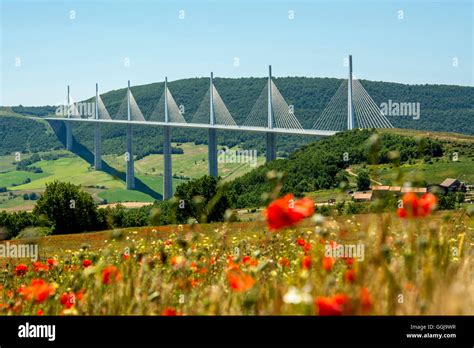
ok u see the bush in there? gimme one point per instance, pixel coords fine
(34, 232)
(203, 199)
(68, 208)
(17, 221)
(363, 181)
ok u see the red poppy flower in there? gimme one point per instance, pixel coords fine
(68, 299)
(86, 263)
(110, 274)
(284, 262)
(365, 300)
(169, 312)
(349, 261)
(414, 207)
(334, 305)
(247, 260)
(427, 203)
(51, 262)
(39, 267)
(285, 211)
(307, 248)
(301, 242)
(39, 312)
(239, 281)
(21, 269)
(350, 276)
(38, 290)
(328, 262)
(306, 262)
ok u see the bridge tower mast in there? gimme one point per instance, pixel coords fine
(167, 171)
(97, 134)
(271, 137)
(67, 123)
(130, 174)
(350, 108)
(212, 141)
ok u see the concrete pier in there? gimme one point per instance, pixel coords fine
(68, 135)
(167, 171)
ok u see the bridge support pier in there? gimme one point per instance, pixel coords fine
(271, 147)
(167, 171)
(130, 173)
(212, 153)
(68, 136)
(97, 147)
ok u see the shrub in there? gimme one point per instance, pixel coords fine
(68, 208)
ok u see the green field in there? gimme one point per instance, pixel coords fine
(122, 195)
(9, 179)
(434, 173)
(7, 163)
(72, 169)
(192, 164)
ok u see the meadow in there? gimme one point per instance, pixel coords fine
(418, 265)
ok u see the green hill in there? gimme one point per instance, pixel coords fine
(443, 108)
(389, 156)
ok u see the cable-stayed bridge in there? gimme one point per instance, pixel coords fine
(350, 107)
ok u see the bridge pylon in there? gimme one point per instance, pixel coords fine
(97, 134)
(130, 172)
(271, 137)
(212, 138)
(68, 124)
(351, 124)
(167, 170)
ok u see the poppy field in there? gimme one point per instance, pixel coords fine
(412, 261)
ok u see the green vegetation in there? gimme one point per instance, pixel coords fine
(308, 95)
(202, 199)
(363, 181)
(68, 209)
(122, 195)
(321, 165)
(24, 135)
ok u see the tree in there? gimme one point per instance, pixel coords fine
(363, 181)
(68, 208)
(203, 199)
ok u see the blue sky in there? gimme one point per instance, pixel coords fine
(43, 49)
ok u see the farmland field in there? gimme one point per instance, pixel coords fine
(191, 164)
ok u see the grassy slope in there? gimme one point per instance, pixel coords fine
(193, 163)
(434, 173)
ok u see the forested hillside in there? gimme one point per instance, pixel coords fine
(321, 165)
(443, 108)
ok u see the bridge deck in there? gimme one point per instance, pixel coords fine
(203, 126)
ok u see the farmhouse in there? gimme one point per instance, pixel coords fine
(448, 185)
(451, 185)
